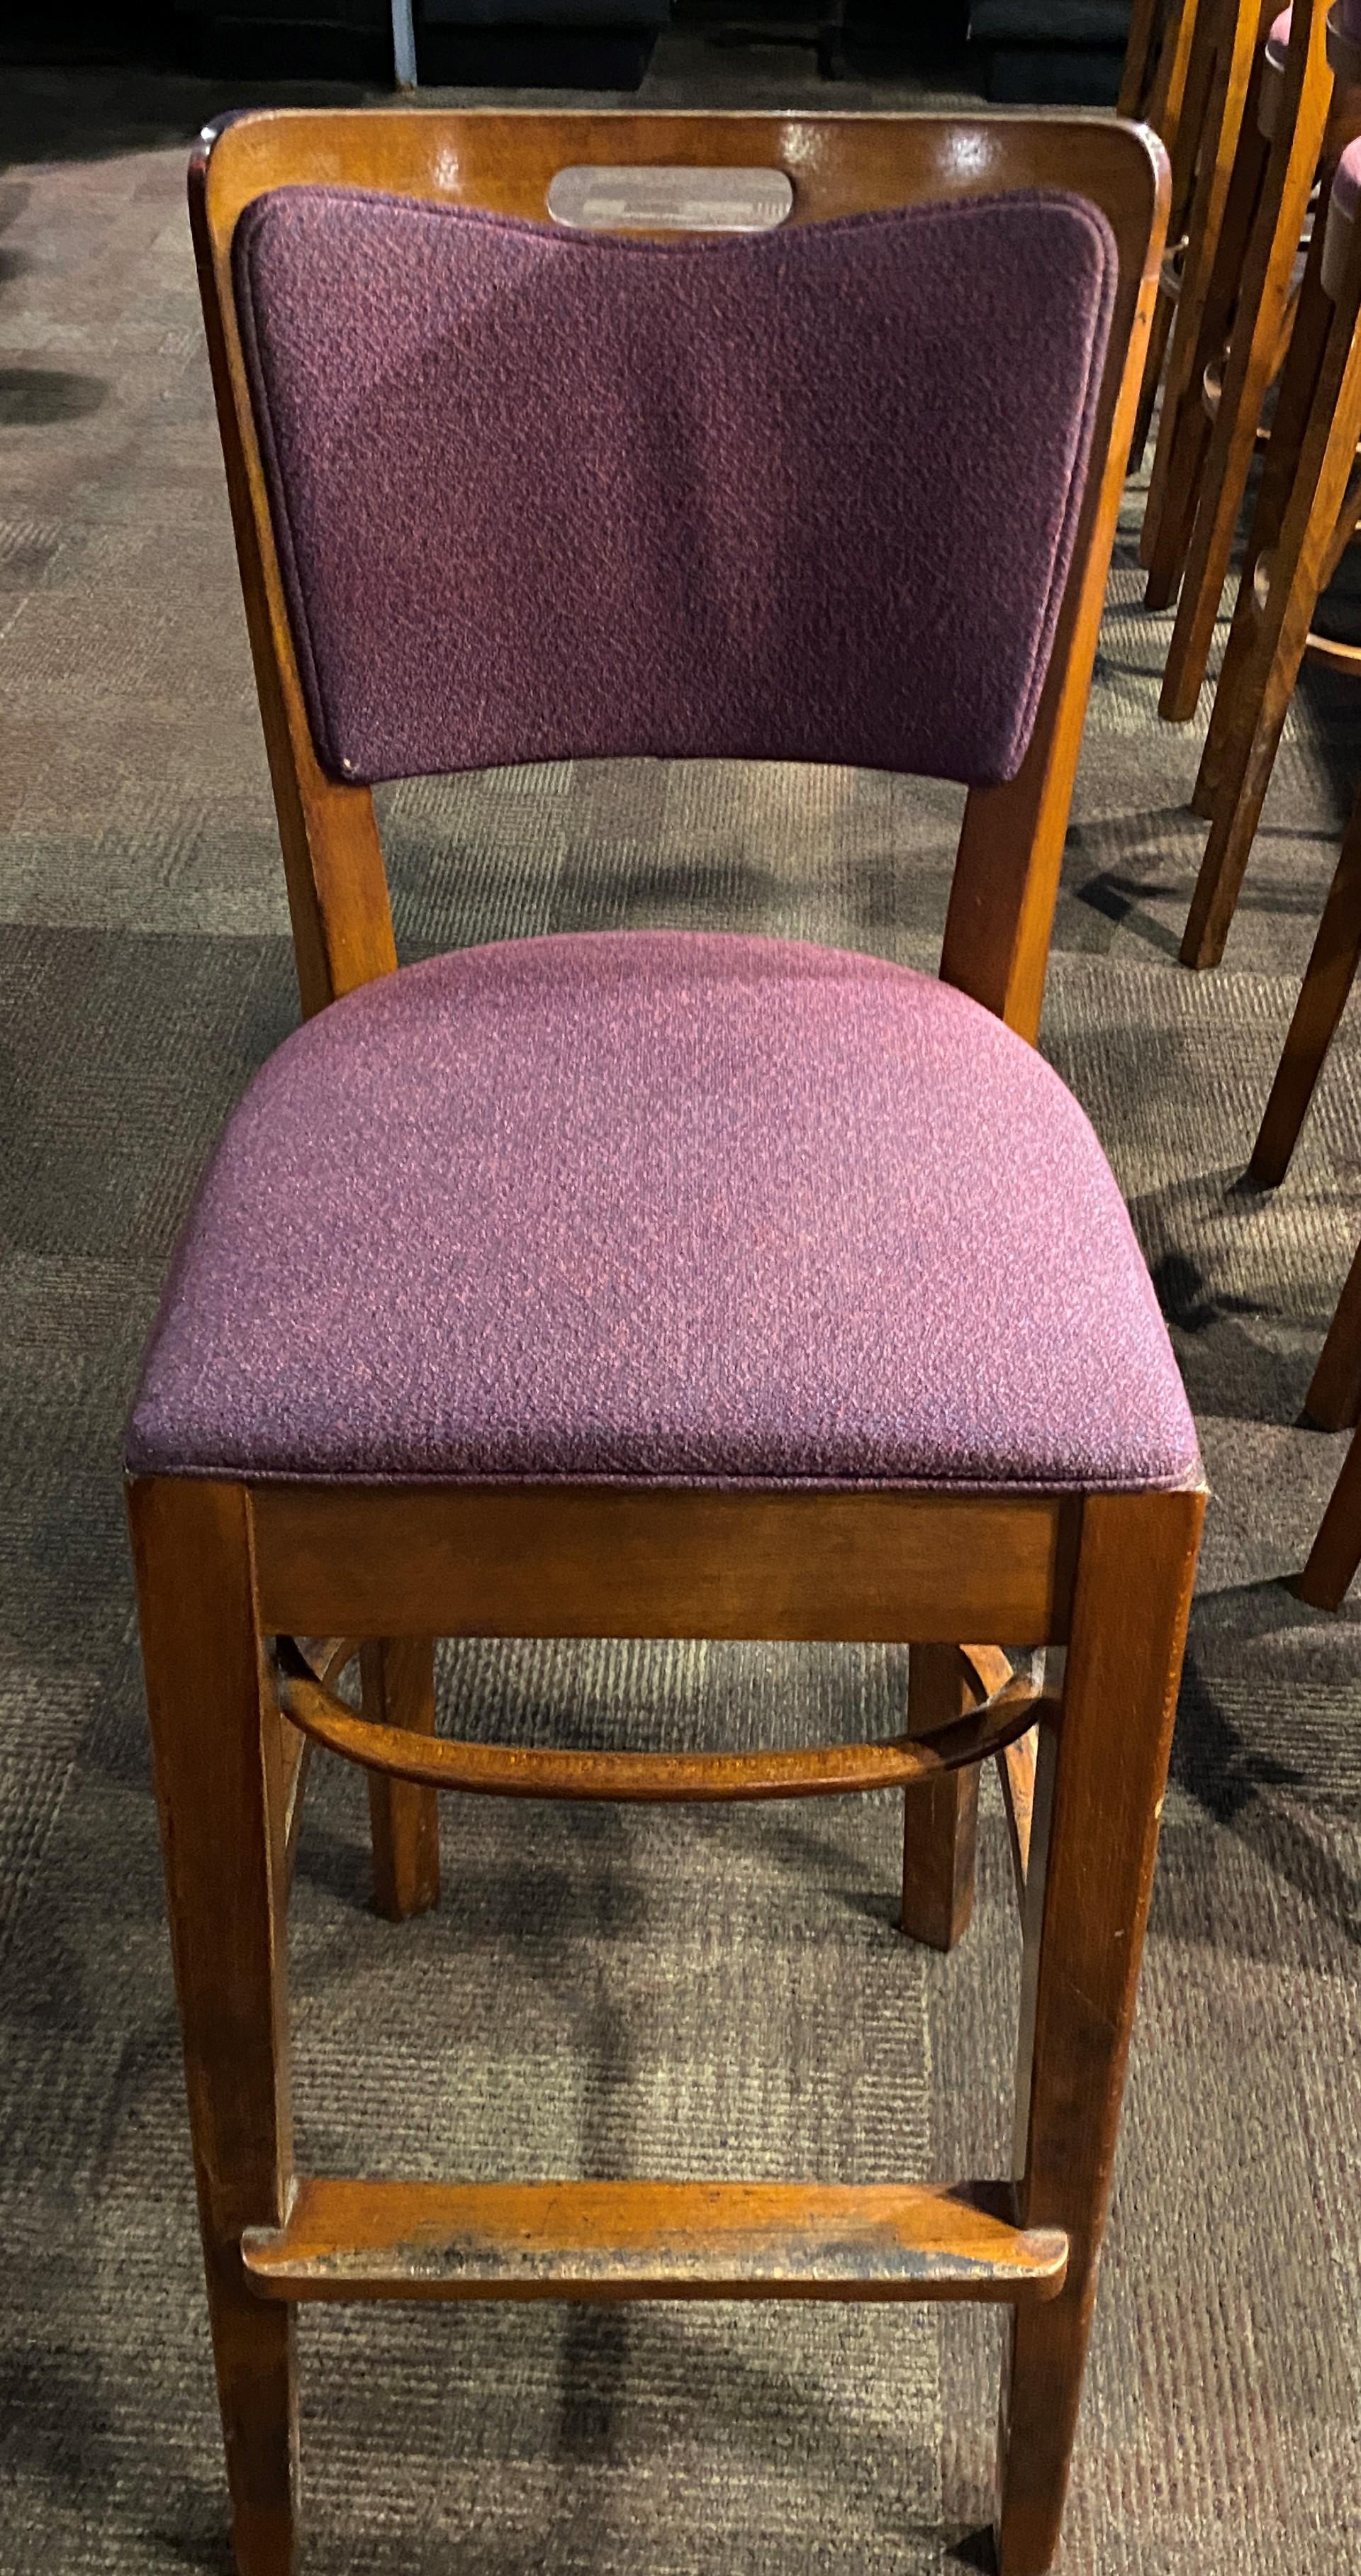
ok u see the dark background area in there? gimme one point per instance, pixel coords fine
(1008, 50)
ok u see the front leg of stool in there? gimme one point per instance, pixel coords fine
(213, 1740)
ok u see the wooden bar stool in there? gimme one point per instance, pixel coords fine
(1305, 515)
(610, 1285)
(1210, 426)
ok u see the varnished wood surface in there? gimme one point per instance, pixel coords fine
(654, 2240)
(842, 163)
(224, 1885)
(1016, 1766)
(940, 1818)
(532, 1771)
(1215, 187)
(606, 1561)
(1254, 346)
(1305, 510)
(1100, 1780)
(399, 1694)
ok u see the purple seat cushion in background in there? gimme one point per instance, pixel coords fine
(661, 1207)
(805, 495)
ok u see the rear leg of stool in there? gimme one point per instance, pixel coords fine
(1328, 979)
(1251, 360)
(1099, 1790)
(216, 1765)
(940, 1819)
(398, 1682)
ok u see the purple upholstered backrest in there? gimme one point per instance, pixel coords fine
(805, 495)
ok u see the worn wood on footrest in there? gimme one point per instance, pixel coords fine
(653, 2240)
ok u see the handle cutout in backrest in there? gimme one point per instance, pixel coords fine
(648, 197)
(808, 494)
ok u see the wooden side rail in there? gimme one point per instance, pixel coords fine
(515, 1771)
(654, 2240)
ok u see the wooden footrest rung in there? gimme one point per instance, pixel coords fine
(653, 2240)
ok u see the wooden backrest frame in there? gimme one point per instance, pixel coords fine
(1011, 845)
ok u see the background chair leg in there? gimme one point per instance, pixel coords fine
(1252, 355)
(1334, 1397)
(1336, 1552)
(1099, 1791)
(1328, 980)
(1289, 429)
(398, 1681)
(940, 1821)
(224, 1870)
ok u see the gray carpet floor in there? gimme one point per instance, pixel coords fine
(611, 1992)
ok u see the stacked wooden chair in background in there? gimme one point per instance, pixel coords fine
(1258, 340)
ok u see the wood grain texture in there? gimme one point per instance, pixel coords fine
(654, 2240)
(1305, 511)
(532, 1771)
(212, 1755)
(1100, 1780)
(399, 1692)
(655, 1561)
(1216, 183)
(1016, 1767)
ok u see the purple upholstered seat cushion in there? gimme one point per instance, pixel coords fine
(805, 495)
(669, 1208)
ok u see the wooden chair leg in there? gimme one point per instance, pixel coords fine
(1219, 221)
(1328, 980)
(398, 1683)
(1336, 1552)
(1234, 697)
(1252, 355)
(1244, 754)
(224, 1871)
(940, 1821)
(1099, 1792)
(1160, 332)
(1334, 1397)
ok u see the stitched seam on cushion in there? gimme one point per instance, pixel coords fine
(235, 1472)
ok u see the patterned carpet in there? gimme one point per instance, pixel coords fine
(606, 1991)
